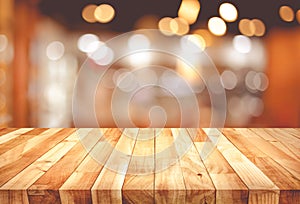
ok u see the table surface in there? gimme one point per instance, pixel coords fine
(40, 165)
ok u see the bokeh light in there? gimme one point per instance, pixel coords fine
(247, 27)
(298, 16)
(3, 42)
(259, 27)
(217, 26)
(229, 80)
(192, 43)
(206, 35)
(242, 44)
(286, 13)
(164, 25)
(189, 10)
(88, 13)
(88, 43)
(55, 50)
(138, 41)
(103, 55)
(104, 13)
(228, 12)
(179, 26)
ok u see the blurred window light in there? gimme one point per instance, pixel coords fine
(229, 80)
(138, 41)
(228, 12)
(88, 43)
(247, 27)
(189, 10)
(286, 13)
(3, 42)
(192, 43)
(179, 26)
(259, 27)
(164, 26)
(55, 50)
(104, 13)
(206, 35)
(103, 55)
(217, 26)
(88, 13)
(242, 44)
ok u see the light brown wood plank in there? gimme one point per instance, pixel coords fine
(4, 131)
(169, 182)
(12, 155)
(282, 140)
(139, 187)
(11, 169)
(197, 134)
(280, 176)
(17, 186)
(259, 185)
(46, 188)
(77, 189)
(14, 134)
(20, 139)
(229, 187)
(108, 185)
(286, 161)
(198, 184)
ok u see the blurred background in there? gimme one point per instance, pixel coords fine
(255, 46)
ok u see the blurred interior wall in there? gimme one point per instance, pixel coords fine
(282, 98)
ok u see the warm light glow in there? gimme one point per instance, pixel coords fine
(164, 25)
(104, 13)
(189, 10)
(228, 12)
(88, 13)
(286, 13)
(3, 42)
(55, 50)
(229, 80)
(103, 55)
(193, 43)
(147, 22)
(259, 26)
(247, 27)
(242, 44)
(206, 35)
(217, 26)
(298, 16)
(179, 26)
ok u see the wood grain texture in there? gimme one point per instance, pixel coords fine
(175, 165)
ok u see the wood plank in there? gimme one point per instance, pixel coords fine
(14, 134)
(261, 188)
(197, 134)
(17, 152)
(108, 185)
(294, 131)
(283, 141)
(169, 181)
(229, 187)
(46, 188)
(20, 139)
(77, 189)
(285, 160)
(4, 131)
(15, 189)
(139, 181)
(13, 168)
(199, 187)
(280, 176)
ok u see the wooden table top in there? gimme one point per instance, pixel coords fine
(40, 165)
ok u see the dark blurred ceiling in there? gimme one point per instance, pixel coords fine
(68, 12)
